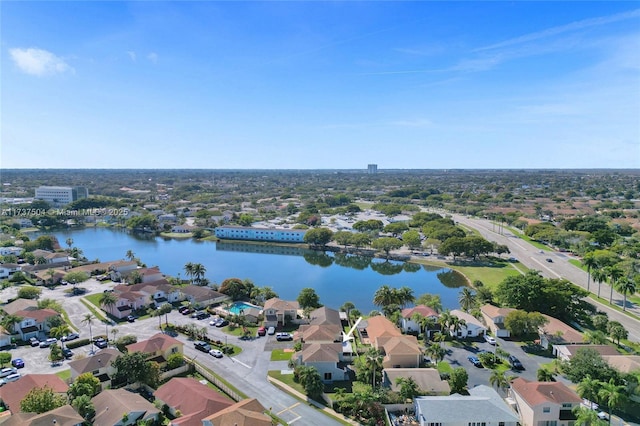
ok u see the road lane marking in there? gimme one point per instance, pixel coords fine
(294, 420)
(240, 362)
(289, 408)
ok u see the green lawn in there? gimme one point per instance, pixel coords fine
(237, 331)
(490, 275)
(280, 355)
(64, 374)
(94, 298)
(99, 315)
(287, 379)
(444, 367)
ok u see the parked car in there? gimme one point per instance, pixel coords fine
(71, 336)
(515, 363)
(490, 339)
(550, 260)
(216, 353)
(202, 315)
(202, 346)
(131, 318)
(50, 341)
(181, 309)
(222, 323)
(284, 336)
(101, 343)
(34, 341)
(17, 363)
(67, 353)
(12, 377)
(187, 311)
(271, 331)
(8, 371)
(475, 361)
(603, 416)
(262, 331)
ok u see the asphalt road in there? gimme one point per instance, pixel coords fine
(246, 371)
(531, 257)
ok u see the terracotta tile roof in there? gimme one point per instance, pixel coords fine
(194, 399)
(100, 360)
(111, 404)
(567, 333)
(423, 310)
(248, 412)
(61, 416)
(157, 342)
(321, 352)
(314, 333)
(14, 392)
(427, 379)
(379, 326)
(324, 315)
(281, 305)
(20, 305)
(40, 315)
(623, 363)
(494, 311)
(536, 393)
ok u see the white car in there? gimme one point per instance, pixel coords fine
(12, 377)
(490, 339)
(603, 416)
(8, 371)
(216, 353)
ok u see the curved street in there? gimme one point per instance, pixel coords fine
(532, 258)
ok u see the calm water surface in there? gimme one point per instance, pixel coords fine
(336, 278)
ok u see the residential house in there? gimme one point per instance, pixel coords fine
(120, 407)
(157, 292)
(555, 332)
(427, 379)
(544, 403)
(472, 328)
(183, 229)
(566, 352)
(408, 325)
(51, 257)
(11, 251)
(494, 319)
(100, 365)
(47, 277)
(145, 275)
(399, 351)
(482, 407)
(117, 269)
(20, 305)
(203, 296)
(623, 363)
(194, 400)
(5, 337)
(35, 323)
(127, 301)
(325, 316)
(13, 392)
(158, 347)
(248, 412)
(319, 333)
(326, 358)
(277, 311)
(378, 326)
(7, 269)
(61, 416)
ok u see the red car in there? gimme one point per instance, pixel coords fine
(262, 331)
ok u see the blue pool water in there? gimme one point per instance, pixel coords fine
(238, 306)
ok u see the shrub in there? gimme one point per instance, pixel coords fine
(77, 343)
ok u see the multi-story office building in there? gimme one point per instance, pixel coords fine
(61, 195)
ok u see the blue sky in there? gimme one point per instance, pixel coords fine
(320, 85)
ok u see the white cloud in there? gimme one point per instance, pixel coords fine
(153, 57)
(39, 62)
(132, 55)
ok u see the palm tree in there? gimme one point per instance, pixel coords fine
(599, 276)
(108, 301)
(595, 337)
(614, 273)
(130, 255)
(457, 324)
(384, 296)
(88, 320)
(115, 332)
(467, 299)
(69, 242)
(404, 296)
(347, 307)
(445, 320)
(612, 395)
(436, 352)
(59, 331)
(589, 261)
(499, 380)
(544, 375)
(198, 271)
(589, 388)
(9, 322)
(188, 271)
(165, 309)
(586, 417)
(626, 286)
(374, 359)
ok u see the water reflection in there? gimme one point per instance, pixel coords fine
(359, 263)
(318, 258)
(387, 268)
(452, 279)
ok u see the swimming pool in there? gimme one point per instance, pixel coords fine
(236, 307)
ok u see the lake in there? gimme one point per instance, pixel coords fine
(336, 278)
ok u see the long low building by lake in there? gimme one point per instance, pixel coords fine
(260, 234)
